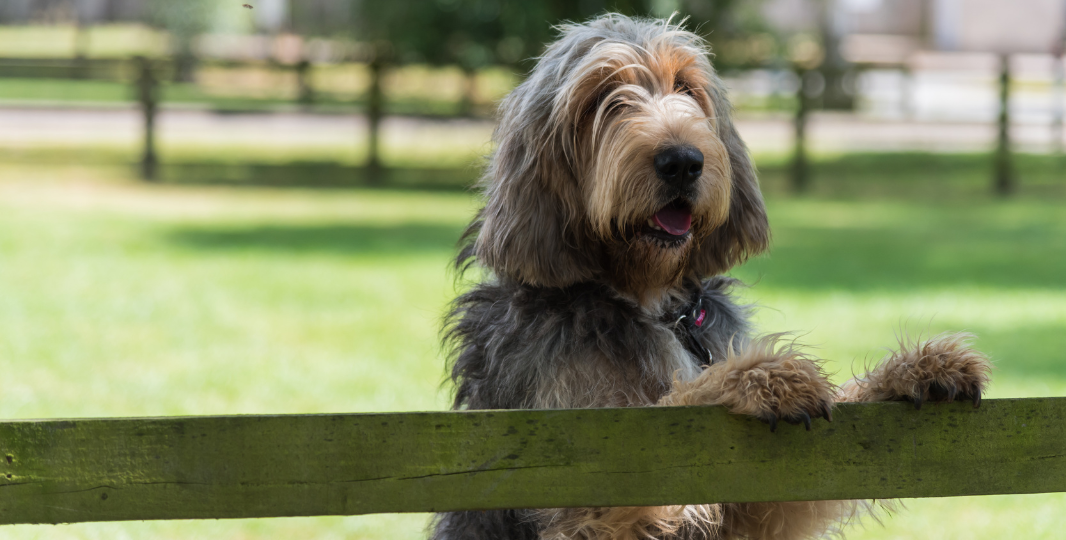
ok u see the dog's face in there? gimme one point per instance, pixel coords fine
(617, 162)
(654, 175)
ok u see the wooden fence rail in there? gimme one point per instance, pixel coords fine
(54, 471)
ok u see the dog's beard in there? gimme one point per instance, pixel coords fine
(651, 225)
(652, 235)
(645, 265)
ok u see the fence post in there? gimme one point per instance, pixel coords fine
(800, 170)
(148, 96)
(466, 103)
(1004, 175)
(306, 91)
(81, 48)
(1058, 84)
(374, 111)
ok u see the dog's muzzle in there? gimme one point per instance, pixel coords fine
(679, 166)
(672, 225)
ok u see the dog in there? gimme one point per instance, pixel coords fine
(617, 196)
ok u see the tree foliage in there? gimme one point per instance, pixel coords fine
(477, 33)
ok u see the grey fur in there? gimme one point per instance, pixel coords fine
(534, 227)
(550, 328)
(514, 343)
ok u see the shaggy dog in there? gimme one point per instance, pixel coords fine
(618, 193)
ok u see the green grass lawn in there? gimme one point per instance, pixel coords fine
(118, 298)
(409, 90)
(22, 90)
(60, 41)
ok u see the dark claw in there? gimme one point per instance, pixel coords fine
(952, 392)
(977, 398)
(806, 420)
(773, 423)
(826, 412)
(918, 400)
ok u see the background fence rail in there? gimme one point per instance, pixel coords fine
(54, 471)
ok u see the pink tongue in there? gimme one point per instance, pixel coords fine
(674, 220)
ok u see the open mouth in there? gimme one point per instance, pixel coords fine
(671, 225)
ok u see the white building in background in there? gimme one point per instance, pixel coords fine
(936, 60)
(91, 11)
(1013, 26)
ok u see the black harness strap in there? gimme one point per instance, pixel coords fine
(687, 321)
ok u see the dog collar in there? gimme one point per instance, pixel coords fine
(686, 322)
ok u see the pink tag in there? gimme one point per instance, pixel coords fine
(699, 320)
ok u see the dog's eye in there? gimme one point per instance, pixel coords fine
(681, 87)
(617, 102)
(609, 101)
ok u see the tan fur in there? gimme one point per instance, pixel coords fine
(767, 379)
(595, 382)
(624, 106)
(946, 361)
(629, 522)
(571, 182)
(572, 174)
(751, 521)
(787, 520)
(770, 378)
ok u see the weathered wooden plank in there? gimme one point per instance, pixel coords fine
(54, 471)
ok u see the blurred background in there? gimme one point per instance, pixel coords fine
(209, 207)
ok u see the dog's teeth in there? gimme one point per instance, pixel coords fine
(653, 225)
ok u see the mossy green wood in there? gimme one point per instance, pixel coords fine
(264, 466)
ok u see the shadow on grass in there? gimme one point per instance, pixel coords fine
(896, 176)
(1029, 351)
(890, 176)
(408, 238)
(815, 260)
(316, 174)
(913, 175)
(902, 259)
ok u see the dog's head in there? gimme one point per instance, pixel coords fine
(617, 161)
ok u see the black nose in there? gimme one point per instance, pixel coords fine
(679, 165)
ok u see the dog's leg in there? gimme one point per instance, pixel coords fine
(785, 520)
(767, 380)
(941, 369)
(773, 383)
(632, 523)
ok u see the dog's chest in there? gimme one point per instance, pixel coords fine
(637, 370)
(581, 346)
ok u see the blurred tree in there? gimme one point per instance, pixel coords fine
(835, 69)
(738, 33)
(477, 33)
(474, 34)
(148, 96)
(184, 21)
(471, 34)
(1004, 170)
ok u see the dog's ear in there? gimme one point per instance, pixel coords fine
(529, 227)
(746, 231)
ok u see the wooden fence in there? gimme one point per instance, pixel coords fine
(112, 469)
(146, 76)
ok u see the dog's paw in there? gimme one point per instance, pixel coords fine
(942, 369)
(769, 380)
